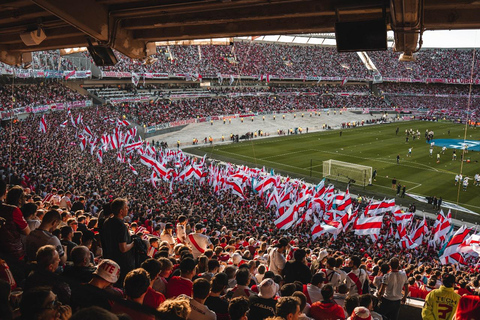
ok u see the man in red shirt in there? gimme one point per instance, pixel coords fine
(182, 284)
(11, 247)
(327, 309)
(153, 298)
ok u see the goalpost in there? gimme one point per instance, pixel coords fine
(347, 172)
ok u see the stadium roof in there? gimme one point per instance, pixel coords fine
(128, 25)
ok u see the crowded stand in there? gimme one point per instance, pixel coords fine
(249, 59)
(430, 63)
(98, 222)
(451, 108)
(395, 88)
(161, 111)
(238, 100)
(34, 94)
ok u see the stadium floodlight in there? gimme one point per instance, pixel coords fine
(347, 172)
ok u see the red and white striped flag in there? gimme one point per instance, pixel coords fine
(442, 228)
(368, 226)
(379, 207)
(64, 124)
(99, 156)
(288, 218)
(470, 245)
(123, 123)
(450, 252)
(43, 125)
(133, 170)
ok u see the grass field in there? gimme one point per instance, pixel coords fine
(376, 146)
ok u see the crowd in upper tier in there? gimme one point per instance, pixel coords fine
(282, 61)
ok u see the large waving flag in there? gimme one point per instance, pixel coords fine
(368, 226)
(442, 228)
(470, 245)
(379, 207)
(288, 218)
(418, 233)
(319, 229)
(450, 251)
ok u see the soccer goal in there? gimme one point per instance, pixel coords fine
(347, 172)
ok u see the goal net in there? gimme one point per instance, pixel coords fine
(347, 172)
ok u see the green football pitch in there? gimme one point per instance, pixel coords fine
(377, 146)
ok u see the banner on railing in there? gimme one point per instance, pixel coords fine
(129, 99)
(73, 74)
(44, 108)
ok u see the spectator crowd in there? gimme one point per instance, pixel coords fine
(83, 239)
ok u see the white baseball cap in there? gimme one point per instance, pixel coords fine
(267, 288)
(108, 270)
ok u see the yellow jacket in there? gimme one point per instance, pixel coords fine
(440, 304)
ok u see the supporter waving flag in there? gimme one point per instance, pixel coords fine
(368, 226)
(418, 233)
(288, 218)
(64, 124)
(450, 252)
(442, 228)
(43, 125)
(470, 245)
(378, 207)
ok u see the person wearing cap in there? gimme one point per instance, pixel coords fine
(99, 291)
(327, 309)
(391, 290)
(360, 313)
(198, 241)
(277, 256)
(263, 305)
(117, 243)
(441, 304)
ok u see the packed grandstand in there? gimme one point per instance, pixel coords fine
(94, 213)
